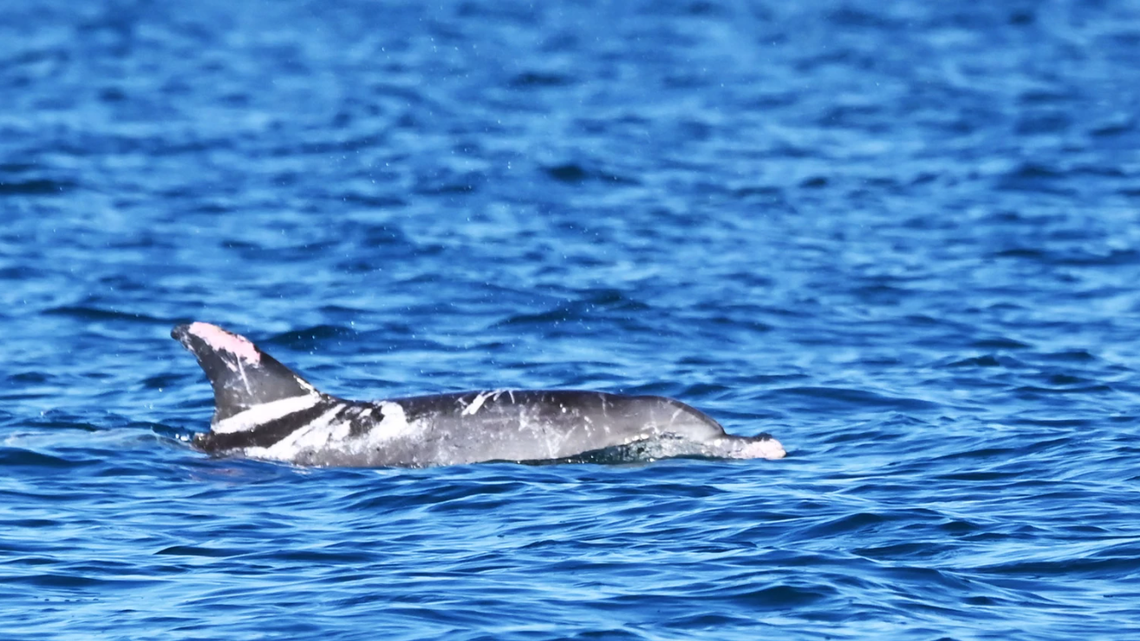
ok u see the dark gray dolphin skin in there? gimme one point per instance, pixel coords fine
(263, 410)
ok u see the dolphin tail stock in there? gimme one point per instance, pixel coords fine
(250, 386)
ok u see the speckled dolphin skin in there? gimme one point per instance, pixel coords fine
(264, 410)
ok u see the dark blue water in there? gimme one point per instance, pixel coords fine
(905, 240)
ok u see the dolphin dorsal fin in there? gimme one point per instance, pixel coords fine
(244, 377)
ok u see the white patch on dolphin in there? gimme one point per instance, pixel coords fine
(264, 413)
(394, 423)
(476, 403)
(220, 339)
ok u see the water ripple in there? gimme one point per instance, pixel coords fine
(900, 237)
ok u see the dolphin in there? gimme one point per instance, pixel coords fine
(264, 410)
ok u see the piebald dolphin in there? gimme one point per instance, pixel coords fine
(263, 410)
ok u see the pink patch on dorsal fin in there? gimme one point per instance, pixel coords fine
(219, 339)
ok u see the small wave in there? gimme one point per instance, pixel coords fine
(72, 581)
(40, 187)
(310, 337)
(541, 79)
(199, 551)
(11, 457)
(840, 397)
(574, 173)
(90, 313)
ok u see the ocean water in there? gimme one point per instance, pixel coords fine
(904, 238)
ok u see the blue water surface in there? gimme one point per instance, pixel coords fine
(902, 237)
